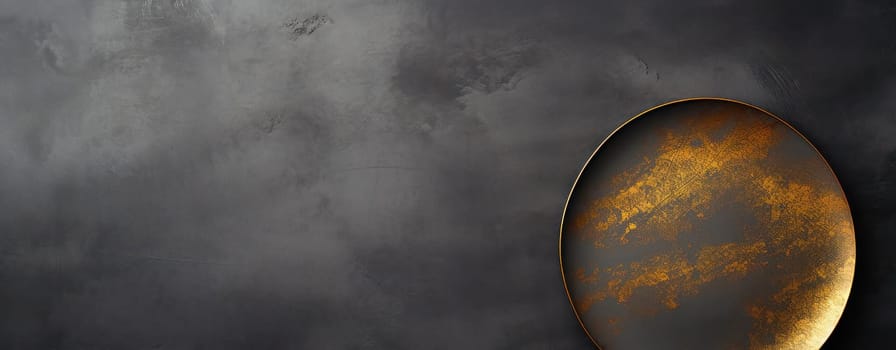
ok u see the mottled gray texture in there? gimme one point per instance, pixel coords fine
(197, 174)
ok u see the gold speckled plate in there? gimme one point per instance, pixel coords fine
(707, 224)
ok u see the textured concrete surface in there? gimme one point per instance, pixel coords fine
(223, 174)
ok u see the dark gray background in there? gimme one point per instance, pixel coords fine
(234, 174)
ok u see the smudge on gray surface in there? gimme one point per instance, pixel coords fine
(298, 28)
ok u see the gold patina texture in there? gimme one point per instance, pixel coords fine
(797, 239)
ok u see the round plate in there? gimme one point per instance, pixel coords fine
(707, 224)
